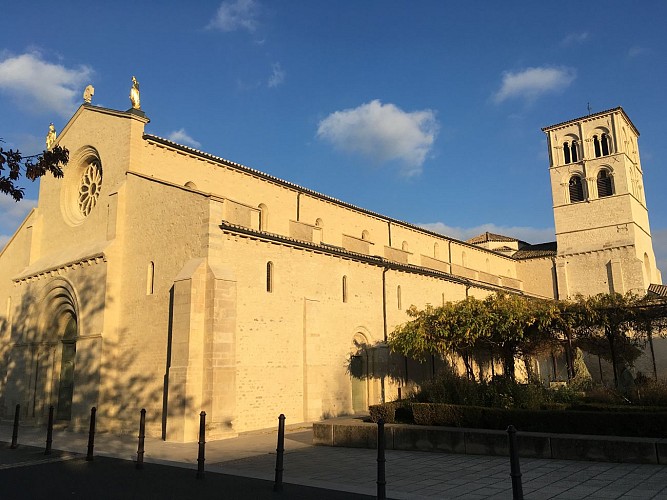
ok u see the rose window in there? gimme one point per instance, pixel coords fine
(89, 190)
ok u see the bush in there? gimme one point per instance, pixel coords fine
(500, 392)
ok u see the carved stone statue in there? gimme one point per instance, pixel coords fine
(51, 137)
(134, 94)
(88, 94)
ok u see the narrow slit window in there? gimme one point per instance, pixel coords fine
(150, 278)
(269, 277)
(344, 288)
(398, 297)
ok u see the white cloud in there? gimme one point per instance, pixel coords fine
(236, 14)
(277, 75)
(574, 38)
(533, 82)
(383, 132)
(43, 86)
(182, 137)
(637, 51)
(528, 234)
(13, 213)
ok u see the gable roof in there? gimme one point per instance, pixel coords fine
(534, 251)
(487, 236)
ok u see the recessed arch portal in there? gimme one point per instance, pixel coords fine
(59, 325)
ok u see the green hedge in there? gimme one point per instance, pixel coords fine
(610, 423)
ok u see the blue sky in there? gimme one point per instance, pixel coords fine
(428, 112)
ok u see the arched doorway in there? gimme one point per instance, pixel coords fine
(58, 333)
(67, 364)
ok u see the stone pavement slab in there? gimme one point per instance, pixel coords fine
(410, 474)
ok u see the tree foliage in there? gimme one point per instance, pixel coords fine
(13, 165)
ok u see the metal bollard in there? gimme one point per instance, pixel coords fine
(91, 434)
(142, 436)
(515, 468)
(280, 449)
(15, 432)
(202, 444)
(381, 481)
(49, 432)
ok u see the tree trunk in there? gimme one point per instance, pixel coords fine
(610, 338)
(527, 361)
(508, 365)
(569, 355)
(469, 370)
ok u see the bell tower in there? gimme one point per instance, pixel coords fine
(602, 227)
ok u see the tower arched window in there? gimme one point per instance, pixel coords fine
(605, 183)
(576, 189)
(269, 277)
(344, 288)
(436, 251)
(365, 235)
(404, 246)
(566, 153)
(596, 146)
(574, 151)
(605, 144)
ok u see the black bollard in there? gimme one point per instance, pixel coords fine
(280, 449)
(142, 436)
(91, 434)
(381, 481)
(515, 468)
(49, 432)
(202, 444)
(15, 432)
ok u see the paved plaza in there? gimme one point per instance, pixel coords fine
(409, 474)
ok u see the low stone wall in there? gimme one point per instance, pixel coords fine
(354, 433)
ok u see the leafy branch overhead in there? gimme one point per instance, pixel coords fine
(13, 165)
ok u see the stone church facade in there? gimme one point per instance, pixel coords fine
(157, 276)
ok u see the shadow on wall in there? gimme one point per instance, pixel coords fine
(377, 362)
(54, 351)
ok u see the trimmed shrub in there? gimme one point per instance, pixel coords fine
(614, 423)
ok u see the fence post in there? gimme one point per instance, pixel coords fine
(280, 449)
(91, 434)
(49, 432)
(15, 431)
(202, 444)
(381, 480)
(515, 468)
(142, 436)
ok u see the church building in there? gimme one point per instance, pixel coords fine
(157, 276)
